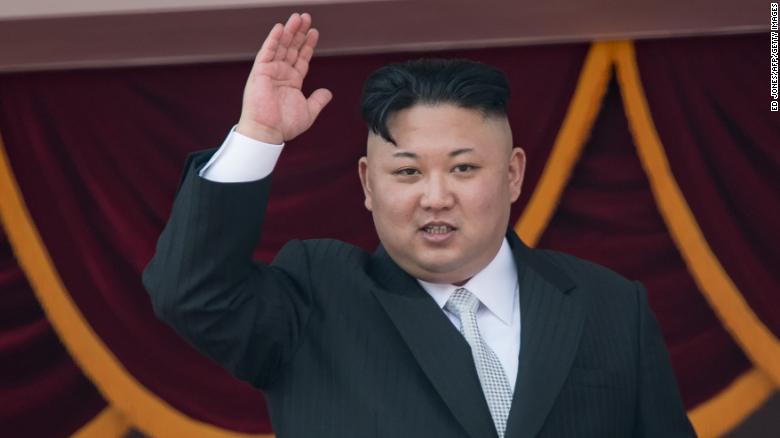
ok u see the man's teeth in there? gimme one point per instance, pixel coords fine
(437, 229)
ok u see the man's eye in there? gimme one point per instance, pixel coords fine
(464, 168)
(407, 171)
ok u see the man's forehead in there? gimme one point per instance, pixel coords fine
(405, 147)
(412, 149)
(414, 155)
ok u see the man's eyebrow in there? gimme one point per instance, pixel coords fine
(457, 152)
(412, 155)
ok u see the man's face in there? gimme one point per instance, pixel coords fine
(441, 196)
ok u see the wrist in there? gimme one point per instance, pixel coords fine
(259, 132)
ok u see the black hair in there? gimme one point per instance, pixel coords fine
(461, 82)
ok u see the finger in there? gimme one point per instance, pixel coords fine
(292, 25)
(298, 39)
(317, 101)
(307, 51)
(270, 45)
(303, 30)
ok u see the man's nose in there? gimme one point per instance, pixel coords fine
(437, 194)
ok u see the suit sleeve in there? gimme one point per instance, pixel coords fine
(660, 411)
(247, 316)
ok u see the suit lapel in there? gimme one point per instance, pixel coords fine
(435, 343)
(552, 316)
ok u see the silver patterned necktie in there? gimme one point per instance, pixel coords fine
(495, 385)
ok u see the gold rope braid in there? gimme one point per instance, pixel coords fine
(572, 136)
(747, 392)
(712, 418)
(755, 339)
(138, 405)
(108, 423)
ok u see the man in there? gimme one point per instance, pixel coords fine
(453, 327)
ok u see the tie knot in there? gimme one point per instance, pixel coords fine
(462, 301)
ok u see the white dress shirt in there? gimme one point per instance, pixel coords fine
(242, 159)
(498, 315)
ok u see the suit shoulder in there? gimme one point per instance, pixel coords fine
(612, 301)
(589, 275)
(324, 253)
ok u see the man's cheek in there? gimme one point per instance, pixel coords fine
(483, 202)
(397, 204)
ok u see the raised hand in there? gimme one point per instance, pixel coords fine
(274, 107)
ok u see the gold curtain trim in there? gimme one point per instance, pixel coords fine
(140, 406)
(758, 342)
(106, 424)
(716, 416)
(720, 414)
(574, 133)
(737, 401)
(713, 281)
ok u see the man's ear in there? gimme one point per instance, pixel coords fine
(363, 172)
(516, 172)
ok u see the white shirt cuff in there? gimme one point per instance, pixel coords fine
(241, 159)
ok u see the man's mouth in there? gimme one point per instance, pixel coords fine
(438, 229)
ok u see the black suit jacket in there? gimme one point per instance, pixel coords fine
(346, 344)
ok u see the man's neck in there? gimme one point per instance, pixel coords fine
(461, 283)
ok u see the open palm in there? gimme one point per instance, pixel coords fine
(274, 107)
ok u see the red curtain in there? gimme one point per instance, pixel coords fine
(712, 113)
(42, 392)
(97, 155)
(608, 215)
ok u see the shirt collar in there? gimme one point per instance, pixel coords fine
(494, 286)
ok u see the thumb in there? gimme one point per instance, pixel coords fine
(317, 101)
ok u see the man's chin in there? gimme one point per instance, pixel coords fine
(441, 272)
(433, 265)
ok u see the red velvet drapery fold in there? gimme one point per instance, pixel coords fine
(712, 113)
(608, 215)
(97, 155)
(43, 393)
